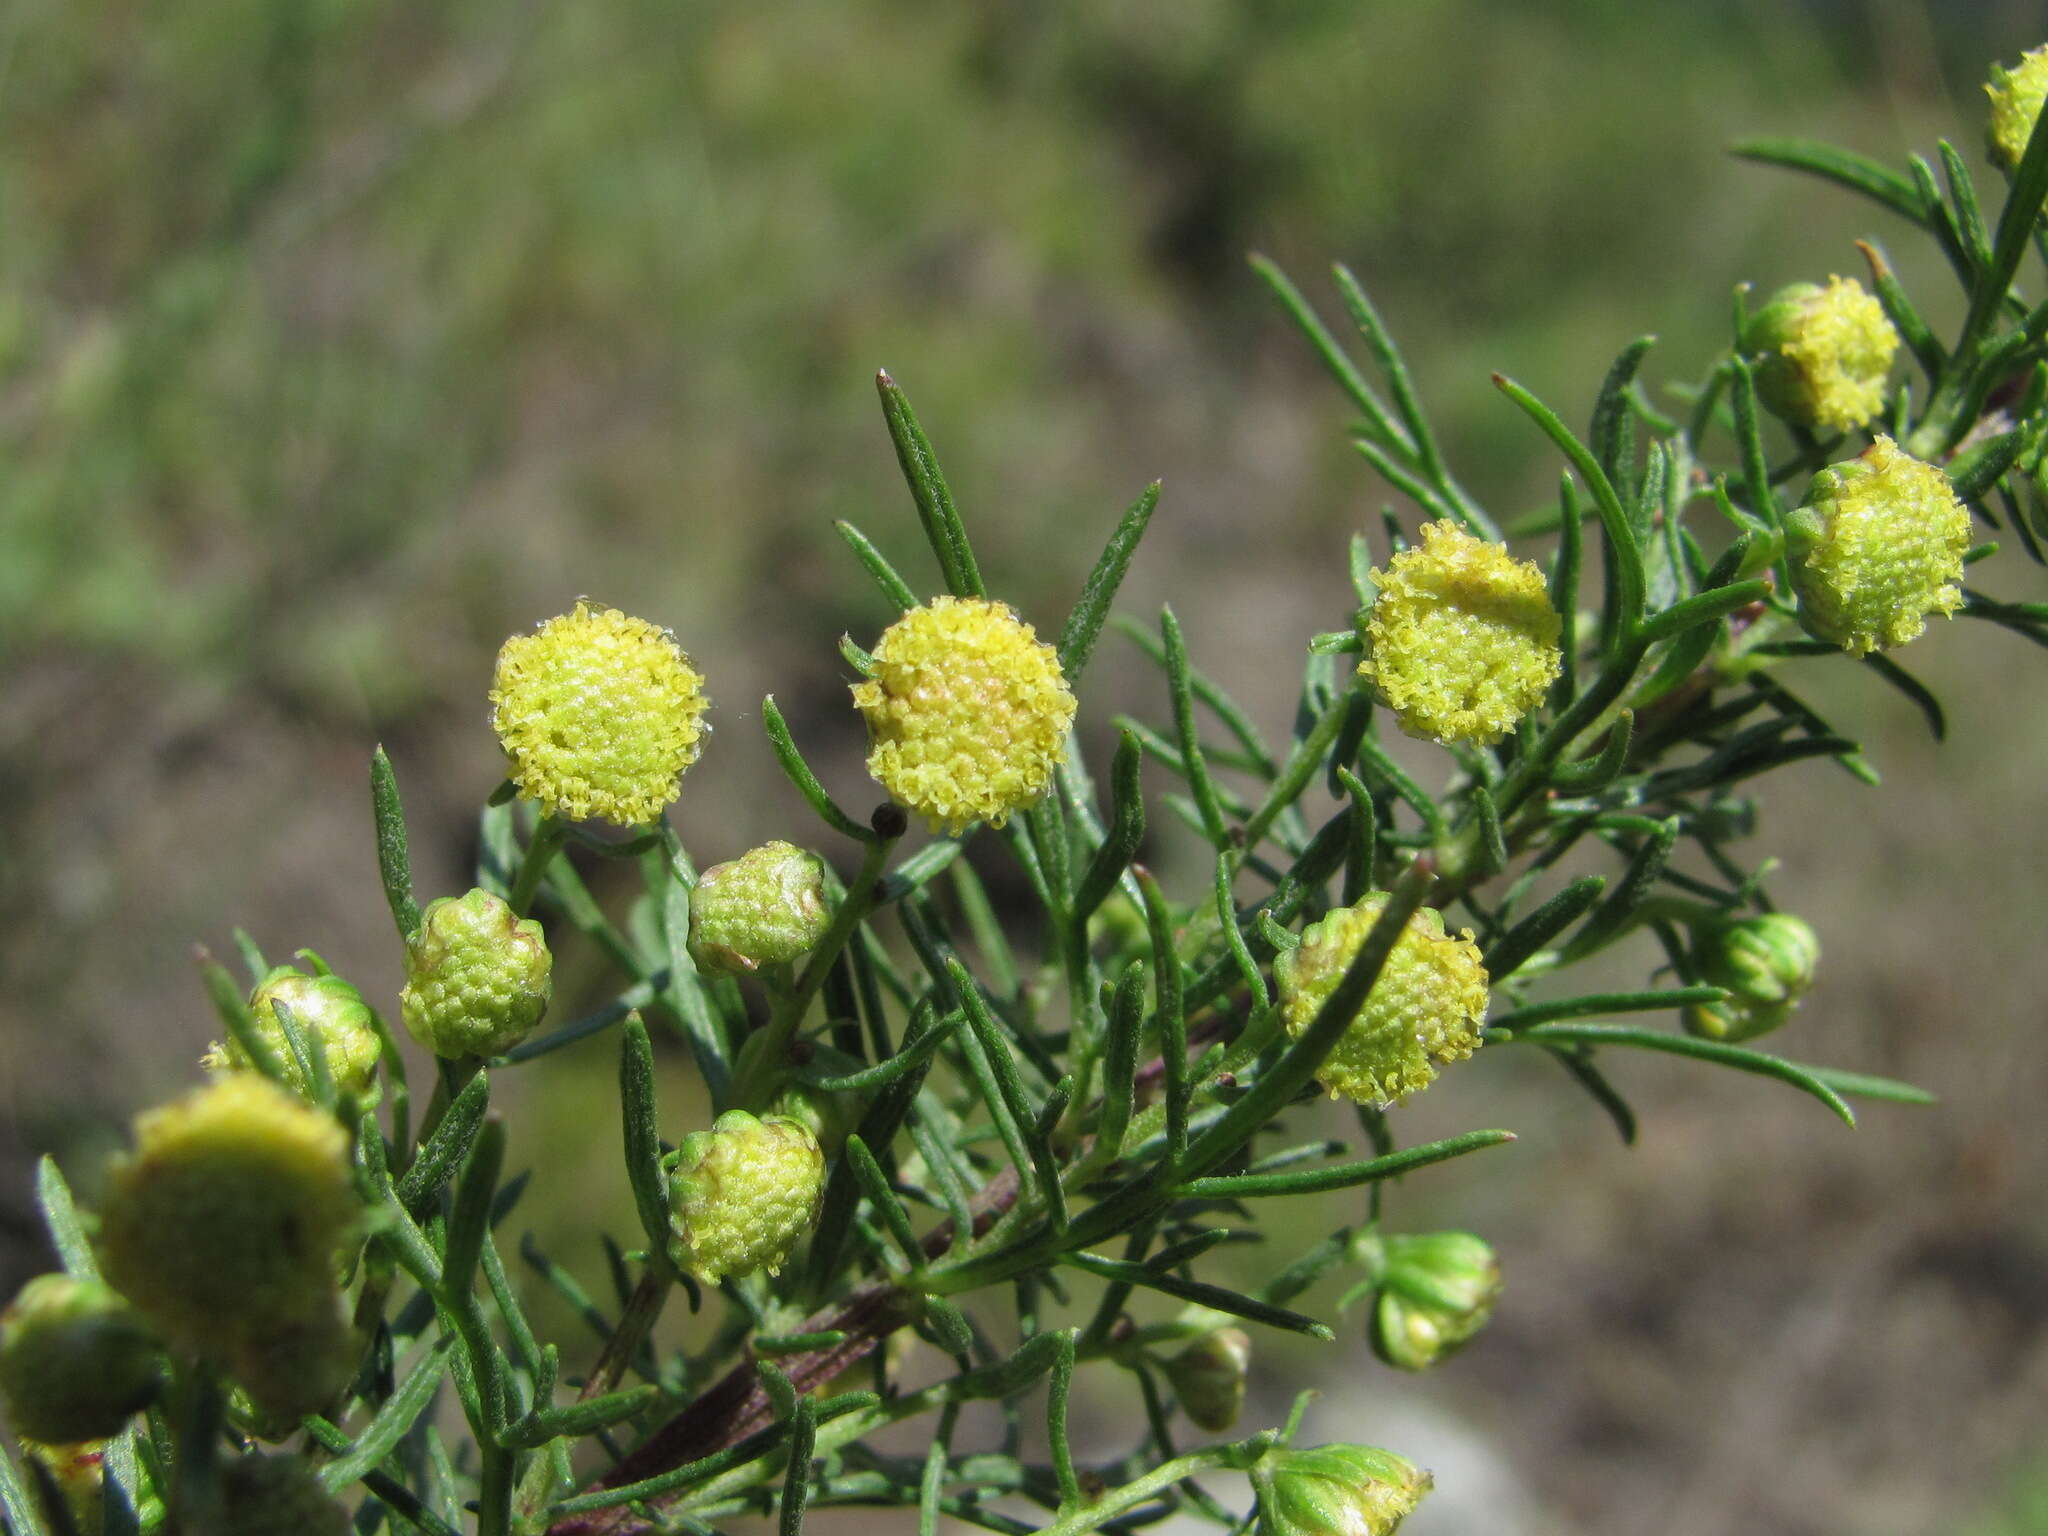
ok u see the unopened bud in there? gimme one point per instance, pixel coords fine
(324, 1009)
(1433, 1292)
(743, 1193)
(1336, 1490)
(76, 1361)
(1209, 1376)
(1766, 963)
(478, 977)
(766, 907)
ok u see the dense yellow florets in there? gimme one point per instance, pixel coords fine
(1823, 354)
(743, 1193)
(1461, 641)
(478, 976)
(1425, 1009)
(2016, 95)
(600, 713)
(1878, 546)
(224, 1224)
(968, 712)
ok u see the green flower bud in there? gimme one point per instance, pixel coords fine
(1766, 963)
(75, 1360)
(1461, 638)
(1878, 546)
(1822, 354)
(477, 977)
(2016, 98)
(1336, 1490)
(1209, 1375)
(829, 1117)
(277, 1496)
(743, 1192)
(1433, 1292)
(224, 1225)
(323, 1007)
(1425, 1009)
(766, 907)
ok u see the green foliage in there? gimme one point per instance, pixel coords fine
(1116, 1072)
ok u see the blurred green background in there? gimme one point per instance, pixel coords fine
(340, 338)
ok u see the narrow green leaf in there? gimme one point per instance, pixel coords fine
(1915, 690)
(1756, 470)
(1199, 1292)
(893, 586)
(995, 1072)
(2016, 222)
(583, 1418)
(1919, 339)
(796, 1479)
(1578, 1065)
(60, 1219)
(1492, 842)
(910, 1059)
(1604, 1002)
(806, 782)
(15, 1503)
(798, 1343)
(1169, 1015)
(1514, 947)
(1962, 194)
(1612, 916)
(1592, 774)
(642, 1136)
(1012, 1374)
(1856, 172)
(1084, 624)
(1182, 693)
(1120, 1059)
(469, 1218)
(395, 1418)
(394, 863)
(875, 1185)
(935, 510)
(1311, 1181)
(446, 1149)
(1126, 830)
(1862, 1086)
(1974, 473)
(1714, 1051)
(1610, 433)
(1233, 935)
(1702, 608)
(1379, 419)
(1056, 1420)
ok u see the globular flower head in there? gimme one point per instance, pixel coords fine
(277, 1496)
(1461, 639)
(1425, 1009)
(75, 1360)
(1766, 963)
(1208, 1377)
(478, 977)
(968, 712)
(1336, 1490)
(766, 907)
(224, 1224)
(1822, 354)
(323, 1007)
(1432, 1291)
(1877, 547)
(743, 1192)
(600, 713)
(2016, 98)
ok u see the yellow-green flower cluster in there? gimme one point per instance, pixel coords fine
(1822, 354)
(743, 1192)
(1336, 1490)
(478, 976)
(223, 1227)
(75, 1360)
(1424, 1011)
(766, 907)
(2016, 95)
(323, 1008)
(1461, 639)
(968, 712)
(599, 713)
(1878, 546)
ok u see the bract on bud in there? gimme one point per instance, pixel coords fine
(1425, 1010)
(1432, 1292)
(968, 712)
(1766, 963)
(599, 713)
(76, 1361)
(478, 977)
(766, 907)
(1877, 547)
(2016, 98)
(1461, 639)
(324, 1008)
(1822, 354)
(1336, 1490)
(1209, 1376)
(743, 1192)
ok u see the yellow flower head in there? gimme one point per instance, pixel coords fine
(1822, 354)
(223, 1225)
(743, 1193)
(1425, 1009)
(2016, 98)
(967, 710)
(600, 713)
(1461, 641)
(1878, 546)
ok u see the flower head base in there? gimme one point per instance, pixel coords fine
(766, 907)
(968, 712)
(224, 1223)
(323, 1007)
(1336, 1490)
(1433, 1292)
(743, 1192)
(1766, 963)
(1425, 1009)
(600, 713)
(75, 1361)
(1822, 354)
(478, 978)
(1209, 1376)
(2016, 98)
(1461, 640)
(1878, 546)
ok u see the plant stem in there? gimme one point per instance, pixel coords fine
(540, 853)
